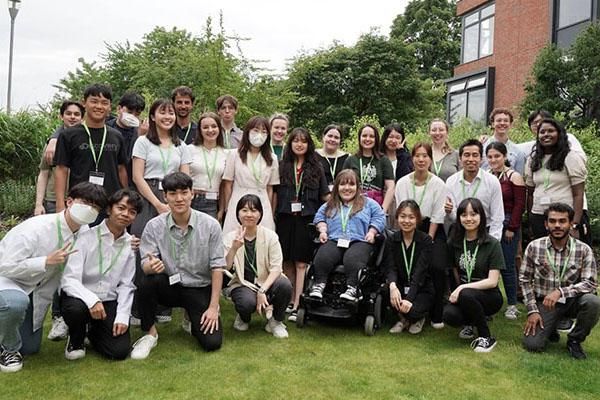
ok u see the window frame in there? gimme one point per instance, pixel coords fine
(478, 11)
(593, 16)
(464, 80)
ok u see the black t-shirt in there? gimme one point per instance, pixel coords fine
(130, 135)
(73, 151)
(182, 131)
(250, 260)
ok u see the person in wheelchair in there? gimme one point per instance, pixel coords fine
(348, 224)
(407, 257)
(258, 284)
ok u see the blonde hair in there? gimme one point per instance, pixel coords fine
(446, 148)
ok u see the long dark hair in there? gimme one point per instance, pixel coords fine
(199, 140)
(152, 134)
(458, 232)
(313, 171)
(334, 203)
(265, 149)
(375, 150)
(499, 147)
(559, 153)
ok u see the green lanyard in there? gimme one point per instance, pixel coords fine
(165, 162)
(92, 149)
(408, 265)
(546, 174)
(61, 240)
(251, 262)
(298, 181)
(438, 167)
(563, 270)
(414, 189)
(210, 170)
(332, 169)
(256, 173)
(363, 174)
(474, 191)
(491, 171)
(344, 218)
(187, 133)
(113, 260)
(174, 253)
(469, 260)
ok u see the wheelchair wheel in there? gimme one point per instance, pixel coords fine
(301, 318)
(378, 311)
(370, 325)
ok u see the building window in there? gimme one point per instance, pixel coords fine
(469, 97)
(478, 33)
(570, 18)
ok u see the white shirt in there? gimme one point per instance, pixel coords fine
(486, 188)
(204, 159)
(23, 253)
(157, 158)
(82, 277)
(434, 197)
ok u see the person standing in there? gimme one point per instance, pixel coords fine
(332, 158)
(279, 127)
(227, 108)
(183, 99)
(445, 159)
(501, 120)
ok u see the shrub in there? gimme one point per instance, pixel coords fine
(17, 198)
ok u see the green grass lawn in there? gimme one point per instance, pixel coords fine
(320, 361)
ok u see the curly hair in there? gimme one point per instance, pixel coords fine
(559, 152)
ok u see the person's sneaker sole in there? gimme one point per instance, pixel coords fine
(12, 368)
(485, 349)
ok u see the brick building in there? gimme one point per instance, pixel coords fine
(500, 42)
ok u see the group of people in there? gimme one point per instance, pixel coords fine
(220, 209)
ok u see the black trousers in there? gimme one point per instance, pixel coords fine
(279, 295)
(472, 307)
(421, 305)
(77, 317)
(353, 258)
(155, 290)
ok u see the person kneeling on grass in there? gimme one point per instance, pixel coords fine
(407, 257)
(558, 277)
(255, 253)
(478, 259)
(32, 256)
(97, 284)
(183, 266)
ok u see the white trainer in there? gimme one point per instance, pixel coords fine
(240, 325)
(71, 353)
(143, 347)
(277, 328)
(59, 330)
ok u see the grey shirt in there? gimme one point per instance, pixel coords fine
(192, 254)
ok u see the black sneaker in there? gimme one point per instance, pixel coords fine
(554, 337)
(11, 361)
(483, 344)
(575, 350)
(565, 325)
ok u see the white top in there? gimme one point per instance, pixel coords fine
(488, 192)
(82, 277)
(204, 160)
(434, 197)
(154, 155)
(23, 253)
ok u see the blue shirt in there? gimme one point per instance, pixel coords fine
(371, 215)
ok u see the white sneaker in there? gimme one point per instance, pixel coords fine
(466, 332)
(277, 328)
(317, 291)
(186, 325)
(10, 361)
(143, 346)
(399, 326)
(416, 327)
(240, 325)
(511, 312)
(437, 325)
(72, 353)
(350, 294)
(483, 344)
(59, 330)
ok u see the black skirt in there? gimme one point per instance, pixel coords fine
(295, 237)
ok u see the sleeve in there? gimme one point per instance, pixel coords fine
(323, 187)
(438, 214)
(229, 172)
(123, 156)
(404, 165)
(420, 272)
(587, 282)
(17, 263)
(390, 270)
(450, 184)
(43, 164)
(527, 173)
(125, 290)
(377, 215)
(496, 256)
(62, 155)
(351, 163)
(526, 276)
(518, 207)
(72, 278)
(275, 254)
(576, 168)
(519, 161)
(140, 148)
(320, 215)
(496, 209)
(57, 132)
(388, 169)
(186, 155)
(215, 246)
(149, 242)
(274, 173)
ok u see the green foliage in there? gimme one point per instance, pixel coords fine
(376, 76)
(22, 137)
(351, 139)
(568, 81)
(432, 29)
(16, 198)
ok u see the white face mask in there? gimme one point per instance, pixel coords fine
(83, 214)
(257, 139)
(130, 120)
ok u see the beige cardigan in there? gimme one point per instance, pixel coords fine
(269, 257)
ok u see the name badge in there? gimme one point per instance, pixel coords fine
(211, 196)
(174, 279)
(160, 185)
(97, 178)
(296, 206)
(562, 300)
(330, 188)
(545, 200)
(406, 289)
(343, 243)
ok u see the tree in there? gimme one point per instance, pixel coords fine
(568, 81)
(376, 76)
(432, 28)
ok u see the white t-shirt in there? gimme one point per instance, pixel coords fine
(157, 157)
(203, 161)
(432, 205)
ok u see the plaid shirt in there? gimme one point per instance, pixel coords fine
(538, 278)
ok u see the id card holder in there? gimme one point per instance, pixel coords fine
(344, 243)
(296, 206)
(97, 178)
(406, 289)
(545, 200)
(330, 188)
(174, 279)
(102, 290)
(211, 196)
(160, 185)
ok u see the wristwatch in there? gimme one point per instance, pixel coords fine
(262, 291)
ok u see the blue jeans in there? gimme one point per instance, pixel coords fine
(509, 273)
(13, 306)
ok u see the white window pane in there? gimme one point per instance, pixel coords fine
(470, 44)
(489, 10)
(470, 19)
(457, 87)
(458, 107)
(476, 105)
(487, 37)
(473, 83)
(573, 11)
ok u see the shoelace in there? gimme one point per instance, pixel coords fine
(12, 357)
(480, 341)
